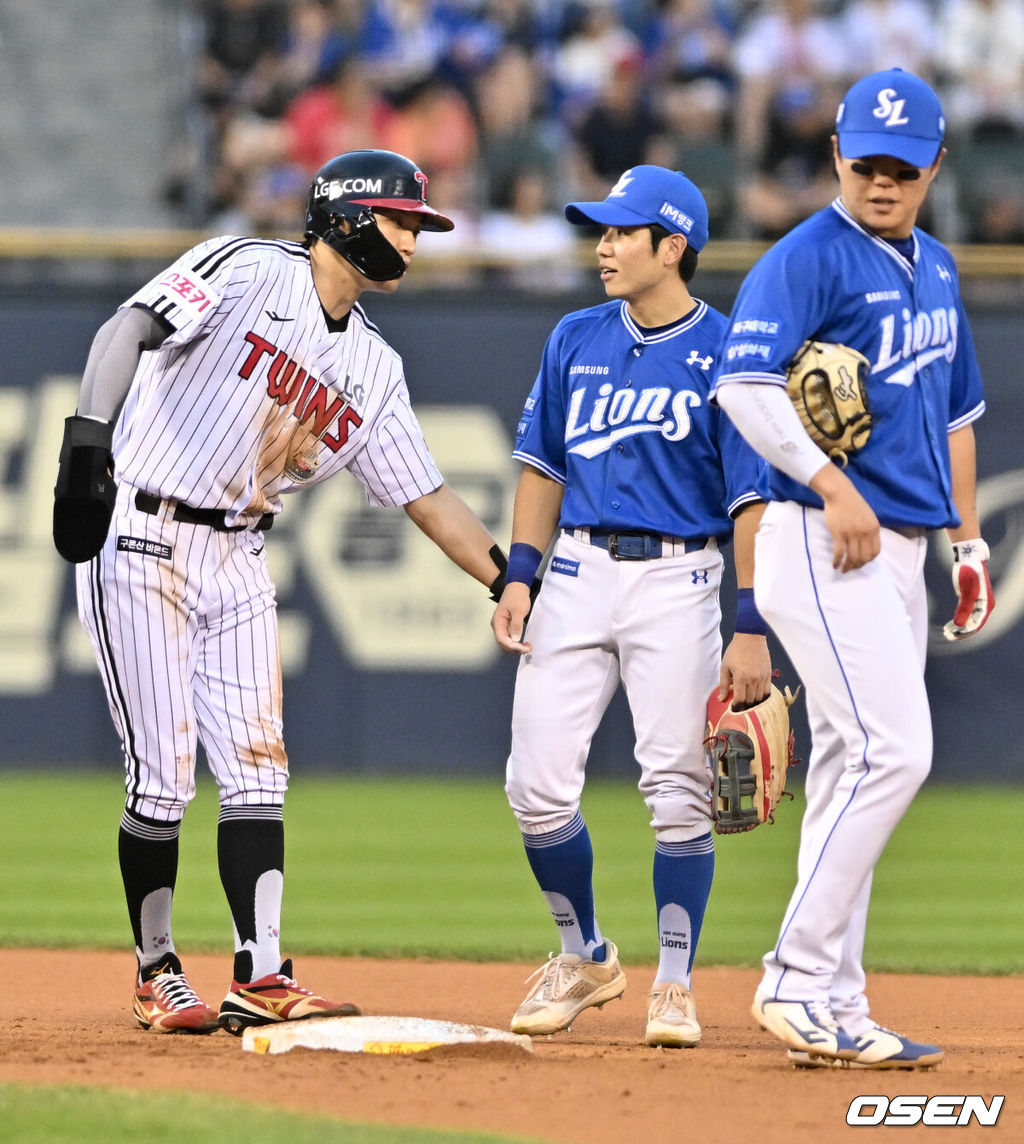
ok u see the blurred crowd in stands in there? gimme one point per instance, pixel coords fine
(513, 107)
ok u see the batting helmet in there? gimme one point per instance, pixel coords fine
(348, 188)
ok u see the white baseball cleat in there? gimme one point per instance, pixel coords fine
(567, 985)
(807, 1026)
(672, 1017)
(878, 1048)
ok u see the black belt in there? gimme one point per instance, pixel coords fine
(640, 545)
(211, 517)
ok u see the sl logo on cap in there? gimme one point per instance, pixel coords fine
(619, 190)
(889, 109)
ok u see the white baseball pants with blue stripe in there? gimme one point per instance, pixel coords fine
(857, 640)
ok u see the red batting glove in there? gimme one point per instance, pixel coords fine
(973, 589)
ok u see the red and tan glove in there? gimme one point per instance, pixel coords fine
(749, 752)
(973, 589)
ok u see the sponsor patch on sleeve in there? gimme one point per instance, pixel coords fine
(762, 327)
(748, 350)
(192, 296)
(525, 418)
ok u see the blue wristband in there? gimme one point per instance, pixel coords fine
(523, 562)
(748, 619)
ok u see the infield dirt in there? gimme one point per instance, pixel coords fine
(596, 1085)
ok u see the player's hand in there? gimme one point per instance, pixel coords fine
(856, 533)
(746, 669)
(857, 537)
(509, 620)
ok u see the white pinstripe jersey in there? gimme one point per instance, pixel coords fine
(252, 395)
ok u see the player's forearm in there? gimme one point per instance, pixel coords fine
(536, 510)
(744, 531)
(963, 466)
(749, 625)
(766, 417)
(449, 522)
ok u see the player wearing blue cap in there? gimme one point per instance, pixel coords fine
(840, 551)
(641, 479)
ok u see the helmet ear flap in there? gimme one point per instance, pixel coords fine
(364, 246)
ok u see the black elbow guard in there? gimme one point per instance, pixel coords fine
(84, 495)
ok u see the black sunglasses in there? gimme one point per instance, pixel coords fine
(905, 174)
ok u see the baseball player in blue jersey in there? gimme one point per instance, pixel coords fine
(840, 551)
(641, 479)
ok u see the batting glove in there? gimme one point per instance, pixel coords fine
(973, 589)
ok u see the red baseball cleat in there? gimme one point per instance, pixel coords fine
(276, 997)
(166, 1003)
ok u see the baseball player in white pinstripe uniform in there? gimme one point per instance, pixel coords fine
(245, 371)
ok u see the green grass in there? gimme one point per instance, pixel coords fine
(414, 867)
(76, 1115)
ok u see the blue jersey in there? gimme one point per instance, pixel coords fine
(620, 416)
(832, 280)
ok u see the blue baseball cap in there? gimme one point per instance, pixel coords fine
(645, 195)
(891, 113)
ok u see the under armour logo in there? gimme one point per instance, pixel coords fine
(944, 274)
(889, 109)
(699, 576)
(696, 359)
(274, 316)
(620, 187)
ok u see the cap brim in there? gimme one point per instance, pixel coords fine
(605, 214)
(432, 219)
(910, 148)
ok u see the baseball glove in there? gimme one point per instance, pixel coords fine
(749, 752)
(827, 383)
